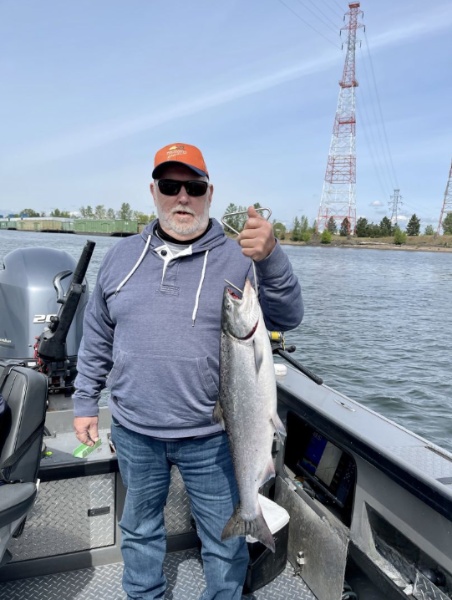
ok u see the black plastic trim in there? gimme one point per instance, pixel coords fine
(347, 441)
(72, 470)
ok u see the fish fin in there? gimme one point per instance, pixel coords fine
(279, 427)
(217, 416)
(268, 473)
(258, 354)
(257, 528)
(236, 526)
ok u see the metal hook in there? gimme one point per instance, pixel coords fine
(245, 212)
(234, 286)
(242, 212)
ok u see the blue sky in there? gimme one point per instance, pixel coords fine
(91, 89)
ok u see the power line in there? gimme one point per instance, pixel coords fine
(381, 163)
(373, 152)
(375, 132)
(331, 25)
(341, 9)
(392, 170)
(308, 24)
(338, 195)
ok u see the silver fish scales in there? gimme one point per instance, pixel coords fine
(247, 408)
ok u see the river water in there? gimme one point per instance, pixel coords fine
(377, 325)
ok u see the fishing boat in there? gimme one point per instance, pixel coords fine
(360, 507)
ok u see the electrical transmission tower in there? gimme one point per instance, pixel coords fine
(338, 194)
(447, 204)
(396, 201)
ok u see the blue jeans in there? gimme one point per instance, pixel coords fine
(206, 468)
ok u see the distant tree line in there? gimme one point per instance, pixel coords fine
(99, 212)
(387, 229)
(300, 231)
(125, 213)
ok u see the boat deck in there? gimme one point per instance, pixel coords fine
(397, 523)
(183, 571)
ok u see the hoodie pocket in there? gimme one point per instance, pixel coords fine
(164, 391)
(116, 370)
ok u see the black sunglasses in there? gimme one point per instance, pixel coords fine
(171, 187)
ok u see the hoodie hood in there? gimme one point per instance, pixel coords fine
(213, 237)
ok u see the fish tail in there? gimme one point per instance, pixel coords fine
(257, 528)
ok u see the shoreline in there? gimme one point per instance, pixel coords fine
(415, 244)
(371, 246)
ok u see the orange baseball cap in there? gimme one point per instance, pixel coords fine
(184, 154)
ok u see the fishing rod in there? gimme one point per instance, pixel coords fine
(279, 347)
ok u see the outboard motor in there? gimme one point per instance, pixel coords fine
(39, 328)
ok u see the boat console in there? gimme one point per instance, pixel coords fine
(369, 495)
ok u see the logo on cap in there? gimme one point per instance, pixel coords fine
(175, 151)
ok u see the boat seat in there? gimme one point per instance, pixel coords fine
(15, 501)
(25, 394)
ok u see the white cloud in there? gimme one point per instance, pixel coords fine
(437, 19)
(75, 142)
(79, 141)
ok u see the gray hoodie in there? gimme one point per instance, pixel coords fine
(152, 329)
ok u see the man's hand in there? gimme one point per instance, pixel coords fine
(257, 238)
(87, 429)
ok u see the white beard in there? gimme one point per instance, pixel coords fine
(171, 222)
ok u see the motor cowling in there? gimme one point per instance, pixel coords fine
(33, 285)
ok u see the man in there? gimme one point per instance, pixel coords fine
(152, 336)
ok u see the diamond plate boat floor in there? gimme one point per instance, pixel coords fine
(183, 571)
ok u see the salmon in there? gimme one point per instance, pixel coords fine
(247, 408)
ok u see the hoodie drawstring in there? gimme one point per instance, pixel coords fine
(140, 260)
(137, 264)
(198, 293)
